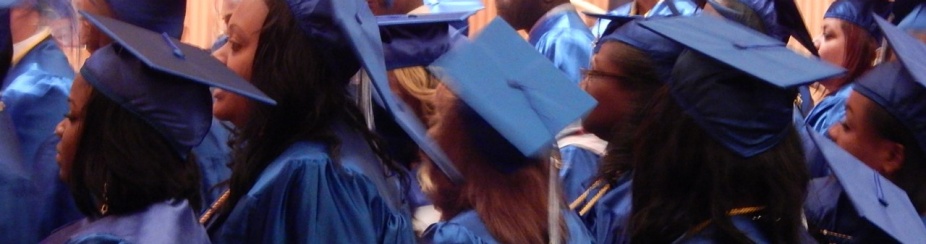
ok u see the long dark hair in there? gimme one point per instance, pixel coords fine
(642, 81)
(124, 160)
(682, 178)
(911, 177)
(311, 99)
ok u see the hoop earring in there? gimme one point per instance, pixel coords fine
(105, 207)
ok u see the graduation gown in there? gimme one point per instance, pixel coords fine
(579, 153)
(213, 156)
(609, 217)
(830, 111)
(35, 93)
(662, 8)
(170, 221)
(356, 155)
(305, 197)
(562, 37)
(467, 227)
(829, 209)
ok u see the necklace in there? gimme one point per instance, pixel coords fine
(732, 212)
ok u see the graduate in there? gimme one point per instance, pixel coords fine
(631, 63)
(850, 39)
(34, 95)
(136, 110)
(501, 151)
(163, 17)
(732, 176)
(410, 43)
(884, 129)
(555, 29)
(308, 169)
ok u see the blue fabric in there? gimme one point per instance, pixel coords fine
(816, 163)
(468, 227)
(742, 223)
(170, 221)
(564, 39)
(357, 156)
(305, 197)
(35, 93)
(213, 156)
(608, 219)
(579, 166)
(859, 13)
(830, 111)
(662, 8)
(828, 208)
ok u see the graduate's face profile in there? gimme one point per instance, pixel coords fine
(831, 45)
(70, 128)
(244, 28)
(858, 136)
(602, 82)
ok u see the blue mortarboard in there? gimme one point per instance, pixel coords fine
(155, 15)
(162, 80)
(858, 12)
(915, 20)
(348, 26)
(739, 94)
(900, 88)
(514, 88)
(453, 6)
(611, 22)
(663, 52)
(874, 197)
(417, 40)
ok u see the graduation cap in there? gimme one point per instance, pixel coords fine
(155, 15)
(874, 197)
(663, 52)
(900, 87)
(348, 26)
(609, 22)
(454, 6)
(417, 40)
(733, 81)
(513, 88)
(859, 13)
(163, 81)
(780, 19)
(915, 20)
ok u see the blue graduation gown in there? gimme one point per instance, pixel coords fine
(828, 208)
(467, 227)
(609, 217)
(742, 223)
(830, 111)
(562, 36)
(579, 166)
(816, 163)
(170, 221)
(356, 155)
(35, 93)
(305, 197)
(16, 225)
(213, 155)
(662, 8)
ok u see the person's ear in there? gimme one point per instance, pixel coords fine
(893, 158)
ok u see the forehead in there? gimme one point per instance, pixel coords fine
(250, 16)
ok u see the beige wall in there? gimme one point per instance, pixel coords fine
(203, 24)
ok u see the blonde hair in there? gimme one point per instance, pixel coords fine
(416, 87)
